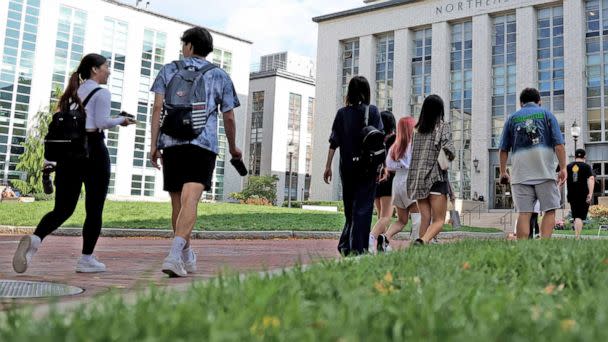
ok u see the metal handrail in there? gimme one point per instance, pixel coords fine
(471, 211)
(503, 220)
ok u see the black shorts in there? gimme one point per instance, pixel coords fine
(385, 189)
(440, 188)
(187, 164)
(579, 208)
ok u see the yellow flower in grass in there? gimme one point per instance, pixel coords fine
(568, 324)
(385, 285)
(271, 322)
(268, 322)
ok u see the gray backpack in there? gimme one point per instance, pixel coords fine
(185, 111)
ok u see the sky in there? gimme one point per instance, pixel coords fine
(272, 25)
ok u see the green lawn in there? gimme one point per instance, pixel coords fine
(211, 216)
(467, 291)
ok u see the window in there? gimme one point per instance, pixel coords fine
(461, 66)
(309, 129)
(256, 133)
(596, 72)
(504, 97)
(385, 51)
(152, 58)
(550, 55)
(421, 69)
(350, 62)
(114, 48)
(15, 82)
(293, 138)
(68, 46)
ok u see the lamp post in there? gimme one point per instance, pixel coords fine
(575, 131)
(476, 165)
(290, 151)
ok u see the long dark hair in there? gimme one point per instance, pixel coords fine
(70, 95)
(388, 122)
(358, 91)
(431, 114)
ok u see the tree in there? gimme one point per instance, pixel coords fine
(258, 187)
(31, 161)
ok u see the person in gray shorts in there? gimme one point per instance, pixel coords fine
(533, 137)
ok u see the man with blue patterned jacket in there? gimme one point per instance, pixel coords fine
(188, 164)
(533, 137)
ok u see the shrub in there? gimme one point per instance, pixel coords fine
(255, 200)
(599, 213)
(258, 187)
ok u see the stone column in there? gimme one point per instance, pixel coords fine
(574, 82)
(440, 66)
(526, 49)
(367, 62)
(402, 77)
(482, 104)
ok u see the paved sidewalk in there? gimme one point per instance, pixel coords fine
(134, 263)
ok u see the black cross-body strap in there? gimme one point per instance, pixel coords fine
(86, 100)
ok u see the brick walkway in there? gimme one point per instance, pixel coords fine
(135, 262)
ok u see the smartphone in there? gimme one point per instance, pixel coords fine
(239, 166)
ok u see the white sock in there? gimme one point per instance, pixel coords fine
(416, 218)
(177, 247)
(186, 253)
(35, 241)
(86, 257)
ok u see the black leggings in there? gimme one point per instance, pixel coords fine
(94, 172)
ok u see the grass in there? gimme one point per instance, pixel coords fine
(211, 216)
(466, 291)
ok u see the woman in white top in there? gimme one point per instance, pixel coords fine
(398, 161)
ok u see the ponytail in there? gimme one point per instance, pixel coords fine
(70, 95)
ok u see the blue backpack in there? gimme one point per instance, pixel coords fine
(185, 111)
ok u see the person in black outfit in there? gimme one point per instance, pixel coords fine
(384, 190)
(581, 181)
(358, 188)
(83, 93)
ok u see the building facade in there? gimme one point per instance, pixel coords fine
(280, 123)
(40, 52)
(477, 55)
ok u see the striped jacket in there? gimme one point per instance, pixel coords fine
(424, 169)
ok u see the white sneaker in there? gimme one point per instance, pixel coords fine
(174, 267)
(24, 253)
(190, 261)
(90, 265)
(388, 248)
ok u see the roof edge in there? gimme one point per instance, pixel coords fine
(360, 10)
(143, 10)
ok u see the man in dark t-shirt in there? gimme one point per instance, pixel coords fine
(580, 189)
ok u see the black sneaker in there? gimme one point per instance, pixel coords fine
(380, 243)
(419, 242)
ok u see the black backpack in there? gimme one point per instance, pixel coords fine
(373, 149)
(185, 111)
(67, 138)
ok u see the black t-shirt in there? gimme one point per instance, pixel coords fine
(578, 173)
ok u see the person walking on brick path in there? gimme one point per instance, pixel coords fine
(82, 93)
(581, 181)
(358, 188)
(383, 200)
(533, 137)
(427, 183)
(187, 162)
(398, 162)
